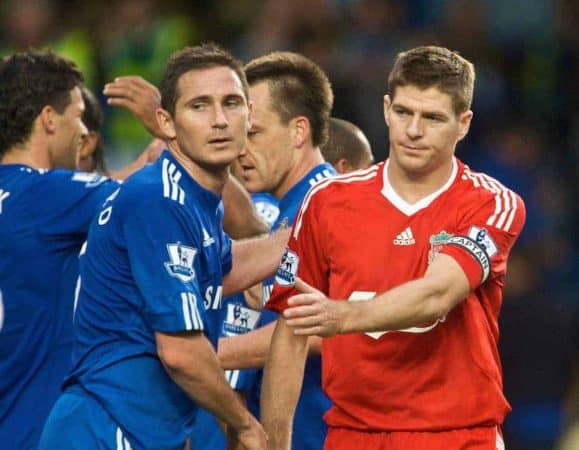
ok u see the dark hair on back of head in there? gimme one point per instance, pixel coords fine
(93, 119)
(205, 56)
(346, 141)
(432, 66)
(29, 81)
(298, 87)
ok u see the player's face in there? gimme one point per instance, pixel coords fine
(69, 131)
(267, 158)
(423, 130)
(211, 117)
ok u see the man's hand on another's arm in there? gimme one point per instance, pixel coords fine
(139, 97)
(312, 313)
(191, 362)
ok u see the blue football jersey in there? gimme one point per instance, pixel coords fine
(309, 430)
(237, 318)
(155, 259)
(44, 220)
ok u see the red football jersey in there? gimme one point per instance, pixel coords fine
(354, 237)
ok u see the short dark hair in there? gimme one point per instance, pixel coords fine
(347, 141)
(298, 87)
(432, 66)
(29, 81)
(205, 56)
(93, 119)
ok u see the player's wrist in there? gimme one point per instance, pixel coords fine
(349, 317)
(344, 319)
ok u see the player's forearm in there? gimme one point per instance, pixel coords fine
(250, 350)
(282, 382)
(411, 304)
(245, 351)
(254, 260)
(192, 364)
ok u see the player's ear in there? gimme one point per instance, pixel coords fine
(387, 103)
(47, 118)
(464, 121)
(343, 166)
(300, 130)
(165, 121)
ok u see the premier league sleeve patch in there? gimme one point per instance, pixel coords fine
(288, 269)
(181, 261)
(239, 320)
(483, 239)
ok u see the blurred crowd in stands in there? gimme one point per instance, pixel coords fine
(525, 129)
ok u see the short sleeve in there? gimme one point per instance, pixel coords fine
(303, 256)
(486, 235)
(163, 243)
(76, 197)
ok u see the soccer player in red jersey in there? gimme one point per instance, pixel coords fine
(401, 268)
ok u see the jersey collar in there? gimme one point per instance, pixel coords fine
(412, 208)
(297, 193)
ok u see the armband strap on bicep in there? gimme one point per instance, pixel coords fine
(475, 250)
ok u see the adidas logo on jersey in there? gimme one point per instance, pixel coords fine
(207, 239)
(405, 238)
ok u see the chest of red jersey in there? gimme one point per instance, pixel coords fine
(372, 246)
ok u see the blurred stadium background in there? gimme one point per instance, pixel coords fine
(525, 131)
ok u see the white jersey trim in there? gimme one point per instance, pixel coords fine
(171, 177)
(505, 199)
(360, 175)
(190, 312)
(412, 208)
(122, 442)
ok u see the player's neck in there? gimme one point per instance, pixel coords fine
(412, 186)
(211, 178)
(303, 164)
(29, 154)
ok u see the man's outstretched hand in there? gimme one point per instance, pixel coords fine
(312, 313)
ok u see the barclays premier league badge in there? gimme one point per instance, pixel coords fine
(288, 269)
(484, 240)
(181, 264)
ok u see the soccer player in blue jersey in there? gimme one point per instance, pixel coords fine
(44, 219)
(153, 274)
(292, 100)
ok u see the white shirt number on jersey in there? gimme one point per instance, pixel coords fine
(3, 196)
(362, 296)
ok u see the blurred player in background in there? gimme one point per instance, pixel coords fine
(347, 148)
(44, 219)
(92, 151)
(156, 266)
(419, 246)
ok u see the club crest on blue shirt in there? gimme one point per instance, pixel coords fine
(181, 264)
(288, 269)
(240, 319)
